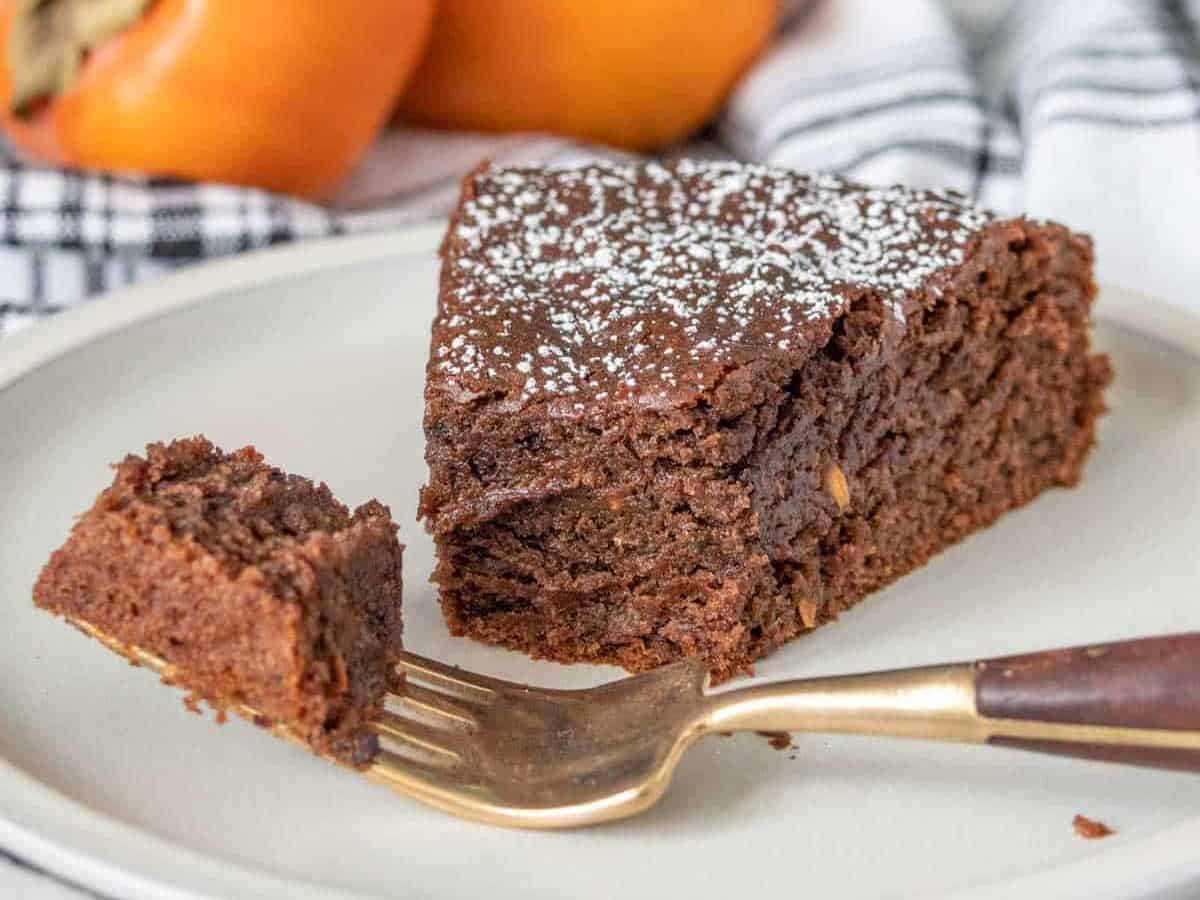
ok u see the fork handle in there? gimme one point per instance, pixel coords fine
(1149, 684)
(1135, 702)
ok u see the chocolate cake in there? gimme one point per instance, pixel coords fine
(701, 408)
(258, 587)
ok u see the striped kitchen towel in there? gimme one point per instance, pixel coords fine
(1086, 111)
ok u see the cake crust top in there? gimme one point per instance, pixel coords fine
(648, 281)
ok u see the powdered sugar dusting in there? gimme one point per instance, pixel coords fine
(645, 279)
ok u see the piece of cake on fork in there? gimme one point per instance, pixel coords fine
(701, 408)
(258, 588)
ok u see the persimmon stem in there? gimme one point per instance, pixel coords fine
(50, 39)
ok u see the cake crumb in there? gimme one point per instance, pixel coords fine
(1090, 829)
(780, 740)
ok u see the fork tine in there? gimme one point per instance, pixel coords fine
(463, 684)
(432, 706)
(425, 738)
(400, 772)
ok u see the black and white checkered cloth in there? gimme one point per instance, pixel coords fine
(1085, 111)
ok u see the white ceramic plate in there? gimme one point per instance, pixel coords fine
(315, 354)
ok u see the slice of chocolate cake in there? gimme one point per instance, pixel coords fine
(701, 408)
(259, 588)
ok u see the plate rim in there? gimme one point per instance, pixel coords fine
(26, 351)
(97, 851)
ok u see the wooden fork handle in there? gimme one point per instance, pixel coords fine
(1138, 688)
(1135, 702)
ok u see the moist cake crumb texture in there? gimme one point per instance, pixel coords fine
(259, 587)
(702, 408)
(580, 282)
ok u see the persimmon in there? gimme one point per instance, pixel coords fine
(279, 94)
(631, 73)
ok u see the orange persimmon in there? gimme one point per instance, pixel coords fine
(631, 73)
(279, 94)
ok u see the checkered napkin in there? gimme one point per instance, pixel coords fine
(1085, 111)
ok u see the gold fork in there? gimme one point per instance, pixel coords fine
(517, 756)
